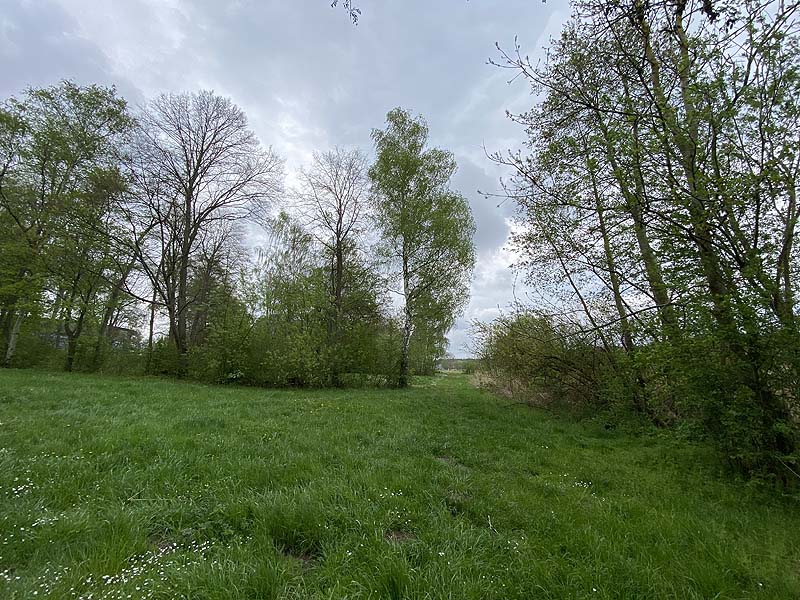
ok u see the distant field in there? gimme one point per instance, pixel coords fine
(141, 488)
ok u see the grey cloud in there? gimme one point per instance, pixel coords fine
(39, 46)
(491, 226)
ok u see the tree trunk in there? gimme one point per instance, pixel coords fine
(611, 266)
(408, 325)
(72, 346)
(111, 306)
(407, 331)
(13, 337)
(7, 316)
(72, 339)
(622, 312)
(180, 330)
(685, 137)
(338, 284)
(633, 204)
(784, 302)
(102, 336)
(149, 365)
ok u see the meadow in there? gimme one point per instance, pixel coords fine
(141, 488)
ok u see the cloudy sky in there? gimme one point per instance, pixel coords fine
(309, 79)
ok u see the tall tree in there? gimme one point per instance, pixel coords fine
(663, 169)
(426, 228)
(195, 164)
(56, 145)
(333, 196)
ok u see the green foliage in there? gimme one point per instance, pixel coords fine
(657, 213)
(531, 355)
(36, 346)
(689, 384)
(222, 356)
(92, 234)
(273, 326)
(426, 235)
(165, 358)
(754, 432)
(123, 361)
(59, 185)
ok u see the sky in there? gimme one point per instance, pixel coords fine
(308, 79)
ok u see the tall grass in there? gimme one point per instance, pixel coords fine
(143, 488)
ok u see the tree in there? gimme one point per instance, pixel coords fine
(82, 264)
(426, 228)
(333, 197)
(215, 263)
(289, 298)
(350, 8)
(661, 179)
(195, 165)
(59, 148)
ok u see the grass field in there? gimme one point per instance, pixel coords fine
(142, 488)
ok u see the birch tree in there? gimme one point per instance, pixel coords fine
(426, 228)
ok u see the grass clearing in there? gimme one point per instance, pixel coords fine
(141, 488)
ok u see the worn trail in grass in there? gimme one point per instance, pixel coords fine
(142, 488)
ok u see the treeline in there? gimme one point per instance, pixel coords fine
(126, 244)
(657, 214)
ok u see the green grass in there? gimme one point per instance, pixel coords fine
(142, 488)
